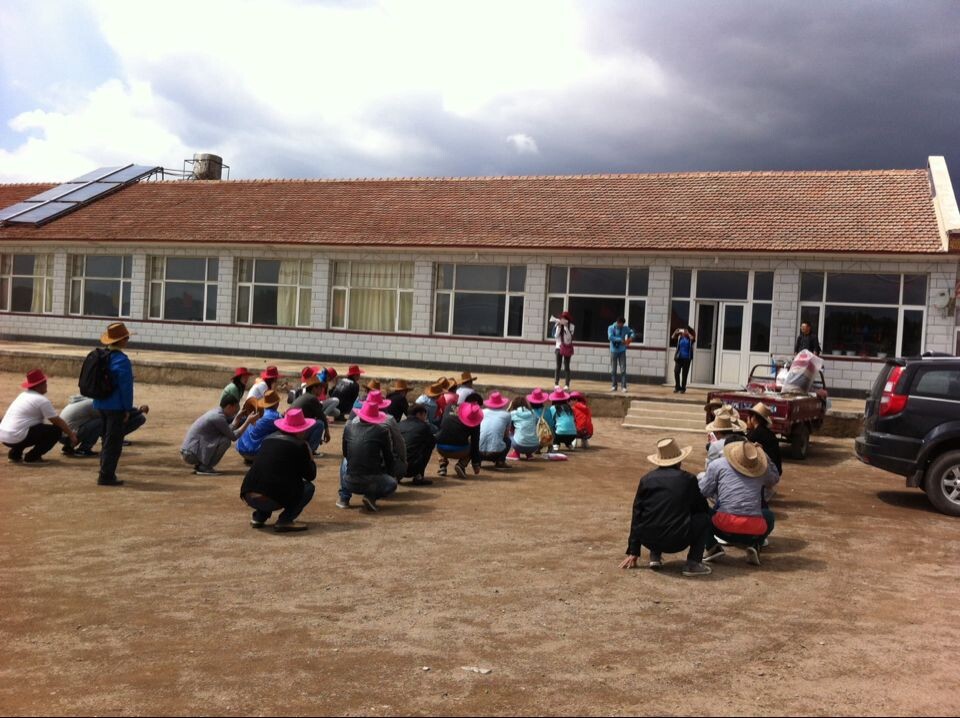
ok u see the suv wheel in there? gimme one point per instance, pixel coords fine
(942, 483)
(800, 442)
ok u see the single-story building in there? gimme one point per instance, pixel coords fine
(465, 273)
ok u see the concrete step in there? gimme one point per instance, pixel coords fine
(666, 410)
(668, 416)
(666, 430)
(685, 424)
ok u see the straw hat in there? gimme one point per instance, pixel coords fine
(669, 453)
(116, 332)
(370, 413)
(269, 400)
(35, 377)
(354, 370)
(762, 411)
(467, 376)
(496, 400)
(373, 385)
(724, 421)
(399, 385)
(538, 396)
(559, 395)
(434, 390)
(376, 397)
(470, 415)
(294, 422)
(746, 458)
(271, 372)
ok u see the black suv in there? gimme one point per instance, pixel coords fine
(911, 426)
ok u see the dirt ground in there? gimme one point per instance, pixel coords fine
(158, 598)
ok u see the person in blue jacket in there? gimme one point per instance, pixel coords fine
(682, 357)
(116, 408)
(249, 444)
(620, 336)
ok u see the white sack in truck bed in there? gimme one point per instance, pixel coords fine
(803, 371)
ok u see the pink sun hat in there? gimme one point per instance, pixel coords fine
(537, 396)
(559, 395)
(576, 395)
(376, 397)
(294, 422)
(496, 400)
(470, 414)
(370, 413)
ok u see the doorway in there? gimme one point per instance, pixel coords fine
(703, 369)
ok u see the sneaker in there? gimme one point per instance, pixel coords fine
(613, 388)
(442, 471)
(585, 443)
(556, 387)
(127, 443)
(501, 465)
(697, 569)
(420, 481)
(713, 554)
(624, 390)
(721, 541)
(753, 556)
(85, 453)
(461, 472)
(566, 387)
(202, 470)
(34, 460)
(318, 454)
(14, 457)
(254, 524)
(291, 526)
(370, 504)
(555, 448)
(513, 456)
(67, 451)
(656, 559)
(114, 482)
(341, 504)
(766, 542)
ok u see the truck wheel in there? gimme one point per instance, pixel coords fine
(800, 442)
(942, 483)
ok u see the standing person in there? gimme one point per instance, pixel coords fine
(620, 336)
(525, 439)
(399, 405)
(759, 423)
(429, 399)
(116, 408)
(563, 336)
(465, 388)
(417, 433)
(682, 358)
(24, 423)
(237, 385)
(282, 475)
(248, 445)
(583, 417)
(459, 439)
(495, 430)
(368, 457)
(669, 513)
(309, 404)
(209, 437)
(807, 340)
(347, 390)
(563, 421)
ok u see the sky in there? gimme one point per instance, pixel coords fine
(402, 88)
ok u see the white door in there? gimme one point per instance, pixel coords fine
(703, 369)
(730, 362)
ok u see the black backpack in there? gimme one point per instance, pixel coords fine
(95, 381)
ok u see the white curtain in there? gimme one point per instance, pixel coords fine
(287, 293)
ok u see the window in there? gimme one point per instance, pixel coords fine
(865, 315)
(100, 285)
(26, 283)
(273, 291)
(937, 383)
(484, 300)
(372, 297)
(596, 297)
(183, 289)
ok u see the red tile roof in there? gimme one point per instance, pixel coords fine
(849, 212)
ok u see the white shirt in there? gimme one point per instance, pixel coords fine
(28, 409)
(463, 392)
(258, 390)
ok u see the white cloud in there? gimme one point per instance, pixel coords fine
(523, 144)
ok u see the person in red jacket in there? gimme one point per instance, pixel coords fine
(583, 417)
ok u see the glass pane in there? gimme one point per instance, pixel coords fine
(860, 288)
(406, 275)
(763, 285)
(243, 304)
(6, 264)
(211, 303)
(303, 310)
(558, 280)
(760, 328)
(810, 315)
(860, 331)
(183, 301)
(374, 276)
(213, 269)
(592, 316)
(444, 276)
(811, 286)
(127, 267)
(679, 315)
(732, 327)
(155, 268)
(306, 273)
(156, 296)
(125, 299)
(338, 309)
(48, 295)
(76, 265)
(912, 333)
(717, 284)
(681, 283)
(101, 297)
(341, 274)
(4, 291)
(479, 315)
(515, 317)
(266, 271)
(915, 289)
(481, 277)
(441, 322)
(518, 279)
(23, 264)
(75, 296)
(265, 302)
(187, 269)
(939, 383)
(639, 277)
(405, 312)
(636, 316)
(554, 309)
(245, 270)
(104, 266)
(585, 280)
(372, 310)
(21, 295)
(706, 314)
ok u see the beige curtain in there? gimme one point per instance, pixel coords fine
(287, 293)
(373, 310)
(42, 268)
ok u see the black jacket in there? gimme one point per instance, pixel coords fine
(418, 438)
(347, 392)
(454, 432)
(770, 443)
(311, 407)
(808, 342)
(367, 449)
(399, 406)
(279, 470)
(661, 510)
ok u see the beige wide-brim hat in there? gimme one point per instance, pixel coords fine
(762, 411)
(726, 422)
(669, 453)
(746, 458)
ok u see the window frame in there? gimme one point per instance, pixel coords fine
(8, 273)
(627, 297)
(452, 292)
(250, 286)
(125, 278)
(206, 283)
(347, 290)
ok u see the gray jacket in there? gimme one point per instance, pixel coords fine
(735, 493)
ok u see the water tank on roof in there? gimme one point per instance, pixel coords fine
(207, 166)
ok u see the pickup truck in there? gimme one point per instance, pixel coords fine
(795, 416)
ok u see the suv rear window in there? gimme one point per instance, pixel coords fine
(938, 383)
